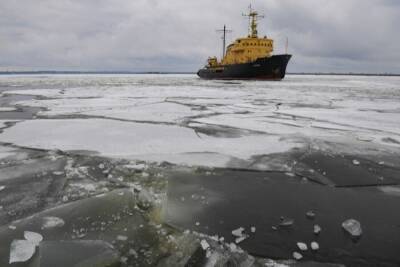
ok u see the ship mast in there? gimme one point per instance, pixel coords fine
(224, 31)
(253, 16)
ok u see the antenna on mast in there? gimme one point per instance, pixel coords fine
(253, 16)
(224, 31)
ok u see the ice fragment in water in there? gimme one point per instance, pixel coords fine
(317, 229)
(204, 244)
(302, 246)
(241, 239)
(21, 250)
(314, 245)
(122, 238)
(253, 229)
(286, 222)
(356, 162)
(12, 227)
(2, 187)
(238, 232)
(310, 214)
(52, 222)
(353, 227)
(33, 237)
(297, 256)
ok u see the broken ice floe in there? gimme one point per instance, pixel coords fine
(286, 222)
(310, 214)
(204, 244)
(317, 229)
(353, 227)
(240, 235)
(52, 222)
(314, 246)
(33, 237)
(302, 246)
(297, 256)
(23, 250)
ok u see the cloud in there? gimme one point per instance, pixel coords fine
(178, 35)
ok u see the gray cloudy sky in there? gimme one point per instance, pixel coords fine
(178, 35)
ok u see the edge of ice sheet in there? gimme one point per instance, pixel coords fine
(133, 140)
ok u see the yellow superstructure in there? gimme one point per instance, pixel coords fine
(247, 49)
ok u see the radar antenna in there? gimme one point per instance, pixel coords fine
(224, 32)
(253, 17)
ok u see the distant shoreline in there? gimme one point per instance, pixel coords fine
(161, 72)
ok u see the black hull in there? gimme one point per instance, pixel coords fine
(268, 68)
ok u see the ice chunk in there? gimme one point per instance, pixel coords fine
(21, 250)
(253, 229)
(52, 222)
(2, 187)
(302, 246)
(297, 256)
(317, 229)
(33, 237)
(356, 162)
(12, 227)
(353, 227)
(122, 238)
(7, 109)
(238, 232)
(241, 239)
(286, 222)
(310, 214)
(314, 245)
(204, 244)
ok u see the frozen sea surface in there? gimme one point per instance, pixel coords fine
(209, 152)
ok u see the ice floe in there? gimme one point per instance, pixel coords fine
(353, 227)
(52, 222)
(21, 250)
(134, 140)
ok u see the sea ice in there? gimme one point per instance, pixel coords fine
(21, 250)
(310, 214)
(204, 244)
(317, 229)
(33, 237)
(297, 256)
(52, 222)
(238, 232)
(302, 246)
(353, 227)
(286, 222)
(7, 109)
(314, 245)
(134, 140)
